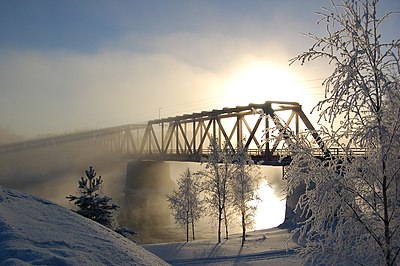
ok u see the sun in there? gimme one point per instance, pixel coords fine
(259, 81)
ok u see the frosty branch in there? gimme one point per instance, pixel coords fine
(352, 204)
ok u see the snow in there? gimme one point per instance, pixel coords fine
(262, 247)
(37, 231)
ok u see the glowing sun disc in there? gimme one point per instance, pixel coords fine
(261, 81)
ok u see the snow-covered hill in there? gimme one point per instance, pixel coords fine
(37, 231)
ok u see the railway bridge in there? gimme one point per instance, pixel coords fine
(187, 137)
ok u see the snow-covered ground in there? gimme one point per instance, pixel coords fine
(37, 231)
(40, 232)
(262, 247)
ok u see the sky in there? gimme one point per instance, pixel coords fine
(75, 65)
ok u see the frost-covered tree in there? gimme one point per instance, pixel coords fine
(215, 183)
(351, 203)
(90, 203)
(227, 170)
(245, 183)
(185, 203)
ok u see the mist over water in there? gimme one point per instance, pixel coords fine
(53, 172)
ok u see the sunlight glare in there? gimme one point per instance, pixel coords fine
(270, 210)
(260, 81)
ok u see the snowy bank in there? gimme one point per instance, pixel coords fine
(37, 231)
(263, 247)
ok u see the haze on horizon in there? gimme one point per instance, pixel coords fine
(69, 65)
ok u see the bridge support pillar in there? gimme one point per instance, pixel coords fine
(146, 207)
(291, 217)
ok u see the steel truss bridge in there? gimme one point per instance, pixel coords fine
(188, 137)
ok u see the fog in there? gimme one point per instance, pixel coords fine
(67, 66)
(134, 75)
(52, 172)
(64, 90)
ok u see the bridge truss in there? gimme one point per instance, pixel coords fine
(187, 137)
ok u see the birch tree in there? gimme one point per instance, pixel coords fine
(352, 199)
(185, 203)
(245, 183)
(215, 184)
(228, 169)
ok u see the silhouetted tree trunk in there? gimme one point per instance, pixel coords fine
(226, 224)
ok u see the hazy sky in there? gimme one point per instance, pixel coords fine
(68, 65)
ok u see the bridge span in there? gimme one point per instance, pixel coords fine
(187, 137)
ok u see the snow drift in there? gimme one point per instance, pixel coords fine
(37, 231)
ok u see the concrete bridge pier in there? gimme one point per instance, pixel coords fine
(145, 206)
(292, 218)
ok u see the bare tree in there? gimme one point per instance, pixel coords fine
(245, 183)
(185, 202)
(352, 202)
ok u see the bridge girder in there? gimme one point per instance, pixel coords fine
(264, 128)
(187, 137)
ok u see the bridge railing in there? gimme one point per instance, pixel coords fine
(281, 153)
(336, 151)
